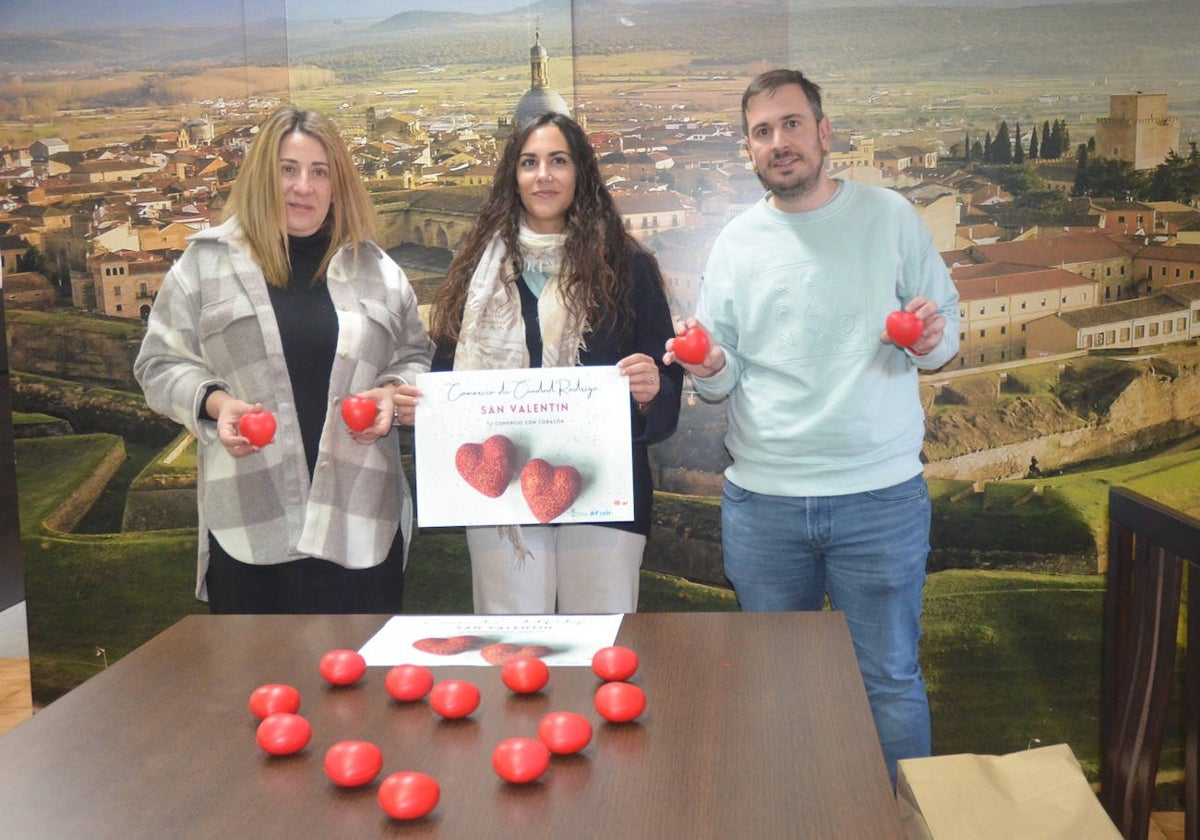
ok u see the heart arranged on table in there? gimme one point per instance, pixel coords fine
(488, 467)
(549, 490)
(500, 652)
(447, 646)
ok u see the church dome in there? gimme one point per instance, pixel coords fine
(538, 101)
(540, 98)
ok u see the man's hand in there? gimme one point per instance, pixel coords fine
(931, 335)
(713, 361)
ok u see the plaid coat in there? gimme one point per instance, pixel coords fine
(212, 324)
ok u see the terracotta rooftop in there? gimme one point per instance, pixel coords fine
(1016, 283)
(1060, 250)
(1126, 310)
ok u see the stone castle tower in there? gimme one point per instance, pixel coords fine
(1137, 129)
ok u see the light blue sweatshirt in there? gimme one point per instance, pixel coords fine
(818, 404)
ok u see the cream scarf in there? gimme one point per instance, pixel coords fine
(492, 335)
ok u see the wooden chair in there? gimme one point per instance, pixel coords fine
(1149, 546)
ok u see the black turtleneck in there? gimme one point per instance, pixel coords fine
(308, 328)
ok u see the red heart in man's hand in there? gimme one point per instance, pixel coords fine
(904, 328)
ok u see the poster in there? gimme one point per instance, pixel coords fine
(505, 447)
(490, 639)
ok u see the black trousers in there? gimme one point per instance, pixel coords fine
(307, 585)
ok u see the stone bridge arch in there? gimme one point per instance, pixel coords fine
(440, 217)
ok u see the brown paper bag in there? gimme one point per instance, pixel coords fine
(1038, 794)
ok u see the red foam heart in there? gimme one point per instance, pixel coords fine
(549, 490)
(904, 328)
(488, 467)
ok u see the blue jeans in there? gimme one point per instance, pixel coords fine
(867, 552)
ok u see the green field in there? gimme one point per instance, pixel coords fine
(1011, 657)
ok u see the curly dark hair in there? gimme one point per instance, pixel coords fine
(597, 247)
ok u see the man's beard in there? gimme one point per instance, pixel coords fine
(791, 191)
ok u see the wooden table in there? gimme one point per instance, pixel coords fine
(756, 726)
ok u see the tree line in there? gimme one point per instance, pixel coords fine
(1051, 143)
(1007, 155)
(1177, 178)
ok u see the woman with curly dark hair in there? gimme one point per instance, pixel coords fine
(548, 277)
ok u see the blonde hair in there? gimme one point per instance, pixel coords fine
(257, 199)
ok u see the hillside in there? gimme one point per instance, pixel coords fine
(983, 424)
(953, 41)
(982, 410)
(1123, 403)
(1008, 656)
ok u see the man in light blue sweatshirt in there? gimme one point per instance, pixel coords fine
(826, 494)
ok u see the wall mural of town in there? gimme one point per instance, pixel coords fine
(1050, 147)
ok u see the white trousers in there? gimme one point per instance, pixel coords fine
(574, 569)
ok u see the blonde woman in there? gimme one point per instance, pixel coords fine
(289, 306)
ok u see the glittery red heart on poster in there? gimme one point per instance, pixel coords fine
(488, 467)
(549, 491)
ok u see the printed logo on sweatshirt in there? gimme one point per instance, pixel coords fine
(811, 313)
